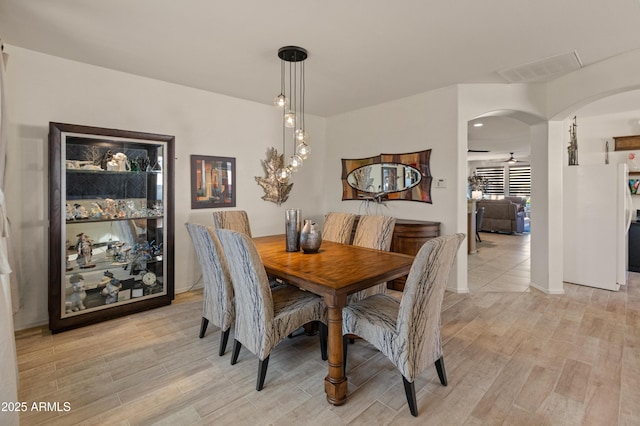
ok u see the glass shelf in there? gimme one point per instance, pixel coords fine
(90, 220)
(114, 172)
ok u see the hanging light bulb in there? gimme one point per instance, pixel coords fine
(290, 120)
(295, 162)
(283, 174)
(281, 101)
(303, 150)
(301, 135)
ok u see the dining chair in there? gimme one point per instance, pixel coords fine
(338, 227)
(265, 316)
(235, 220)
(407, 331)
(373, 232)
(218, 306)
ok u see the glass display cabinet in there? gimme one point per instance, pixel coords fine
(110, 223)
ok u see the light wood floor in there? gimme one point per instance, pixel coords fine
(513, 358)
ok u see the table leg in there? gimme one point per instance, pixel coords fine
(335, 384)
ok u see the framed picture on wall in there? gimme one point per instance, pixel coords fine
(213, 182)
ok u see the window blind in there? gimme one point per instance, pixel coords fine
(495, 175)
(520, 181)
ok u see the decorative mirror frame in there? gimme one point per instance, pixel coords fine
(418, 160)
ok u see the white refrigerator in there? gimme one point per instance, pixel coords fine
(596, 218)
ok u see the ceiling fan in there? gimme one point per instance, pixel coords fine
(511, 159)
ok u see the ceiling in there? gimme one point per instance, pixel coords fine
(361, 52)
(500, 136)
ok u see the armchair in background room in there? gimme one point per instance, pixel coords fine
(501, 216)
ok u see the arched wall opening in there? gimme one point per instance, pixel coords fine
(501, 261)
(526, 103)
(599, 118)
(553, 103)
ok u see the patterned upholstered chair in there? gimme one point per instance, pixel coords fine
(218, 291)
(408, 331)
(337, 227)
(373, 232)
(235, 220)
(264, 316)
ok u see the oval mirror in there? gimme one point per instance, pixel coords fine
(384, 177)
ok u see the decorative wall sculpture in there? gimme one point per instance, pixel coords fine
(572, 149)
(276, 191)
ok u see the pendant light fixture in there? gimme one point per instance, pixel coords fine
(291, 101)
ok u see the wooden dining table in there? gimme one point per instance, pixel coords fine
(334, 272)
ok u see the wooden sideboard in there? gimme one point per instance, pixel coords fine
(408, 237)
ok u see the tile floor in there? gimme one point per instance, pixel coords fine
(502, 263)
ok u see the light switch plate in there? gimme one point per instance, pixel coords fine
(441, 183)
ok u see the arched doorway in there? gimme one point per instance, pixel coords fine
(499, 150)
(598, 122)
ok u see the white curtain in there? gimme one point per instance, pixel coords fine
(8, 358)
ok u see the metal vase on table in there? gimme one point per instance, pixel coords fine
(310, 237)
(292, 229)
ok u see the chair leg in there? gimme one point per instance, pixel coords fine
(442, 374)
(322, 332)
(310, 328)
(344, 353)
(224, 337)
(203, 326)
(236, 351)
(296, 333)
(410, 391)
(262, 373)
(478, 237)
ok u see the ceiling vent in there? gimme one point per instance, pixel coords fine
(543, 69)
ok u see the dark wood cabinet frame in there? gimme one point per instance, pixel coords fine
(56, 214)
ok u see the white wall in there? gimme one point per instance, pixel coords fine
(425, 121)
(44, 88)
(565, 96)
(546, 207)
(594, 131)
